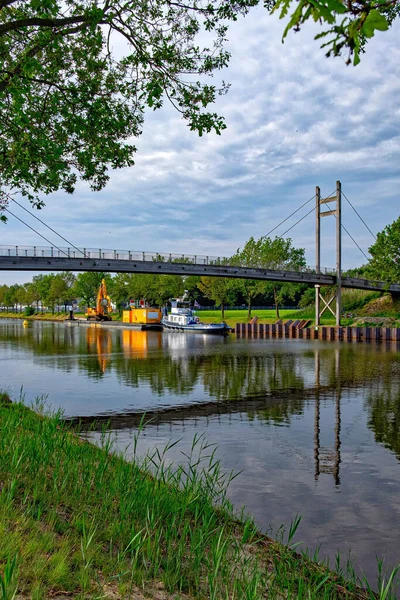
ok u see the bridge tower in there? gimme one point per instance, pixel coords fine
(337, 212)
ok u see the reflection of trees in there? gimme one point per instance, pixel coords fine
(384, 415)
(280, 411)
(44, 338)
(272, 385)
(232, 377)
(162, 374)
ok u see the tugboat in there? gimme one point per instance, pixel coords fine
(183, 318)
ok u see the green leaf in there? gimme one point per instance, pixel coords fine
(374, 20)
(336, 6)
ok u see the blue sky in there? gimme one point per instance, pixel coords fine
(295, 120)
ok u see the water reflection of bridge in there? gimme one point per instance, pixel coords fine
(272, 382)
(327, 461)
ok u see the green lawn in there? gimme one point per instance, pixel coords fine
(264, 316)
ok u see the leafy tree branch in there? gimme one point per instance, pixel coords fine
(69, 108)
(350, 23)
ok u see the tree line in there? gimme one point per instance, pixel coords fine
(55, 290)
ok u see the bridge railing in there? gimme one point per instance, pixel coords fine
(136, 256)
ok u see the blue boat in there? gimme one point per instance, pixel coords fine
(183, 318)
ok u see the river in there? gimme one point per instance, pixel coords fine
(312, 426)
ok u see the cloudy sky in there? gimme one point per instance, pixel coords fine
(295, 120)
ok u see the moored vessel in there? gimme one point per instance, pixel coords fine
(183, 318)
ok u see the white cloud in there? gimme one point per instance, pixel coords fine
(295, 120)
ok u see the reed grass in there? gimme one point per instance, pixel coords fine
(76, 519)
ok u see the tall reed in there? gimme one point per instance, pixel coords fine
(78, 516)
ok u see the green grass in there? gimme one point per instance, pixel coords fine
(48, 316)
(75, 518)
(38, 317)
(240, 316)
(265, 316)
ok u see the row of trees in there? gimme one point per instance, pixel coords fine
(57, 290)
(52, 290)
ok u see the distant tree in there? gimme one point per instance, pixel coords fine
(30, 294)
(61, 289)
(192, 290)
(69, 279)
(155, 289)
(356, 272)
(168, 286)
(34, 293)
(42, 285)
(385, 261)
(141, 286)
(222, 290)
(11, 296)
(120, 289)
(307, 297)
(3, 291)
(274, 254)
(87, 285)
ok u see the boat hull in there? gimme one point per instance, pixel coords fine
(210, 328)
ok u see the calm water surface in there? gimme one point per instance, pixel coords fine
(313, 426)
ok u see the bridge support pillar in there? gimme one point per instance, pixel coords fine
(337, 212)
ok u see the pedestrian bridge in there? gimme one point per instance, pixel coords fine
(51, 258)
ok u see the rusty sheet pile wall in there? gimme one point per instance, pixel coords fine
(349, 334)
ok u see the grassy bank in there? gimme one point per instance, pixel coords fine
(266, 316)
(359, 307)
(37, 317)
(48, 316)
(78, 521)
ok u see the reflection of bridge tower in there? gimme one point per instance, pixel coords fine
(326, 459)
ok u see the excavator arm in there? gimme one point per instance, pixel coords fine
(103, 305)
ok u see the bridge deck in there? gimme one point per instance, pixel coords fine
(33, 258)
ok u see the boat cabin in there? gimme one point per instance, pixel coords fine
(181, 313)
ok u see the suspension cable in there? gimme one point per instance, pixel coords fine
(297, 222)
(39, 234)
(349, 234)
(48, 226)
(360, 249)
(293, 213)
(359, 216)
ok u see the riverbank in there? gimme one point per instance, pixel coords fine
(212, 316)
(360, 309)
(36, 317)
(79, 521)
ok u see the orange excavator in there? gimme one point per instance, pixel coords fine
(103, 306)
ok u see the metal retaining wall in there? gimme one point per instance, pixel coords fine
(348, 334)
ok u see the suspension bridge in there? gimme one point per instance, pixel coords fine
(71, 258)
(43, 258)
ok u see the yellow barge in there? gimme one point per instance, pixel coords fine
(147, 318)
